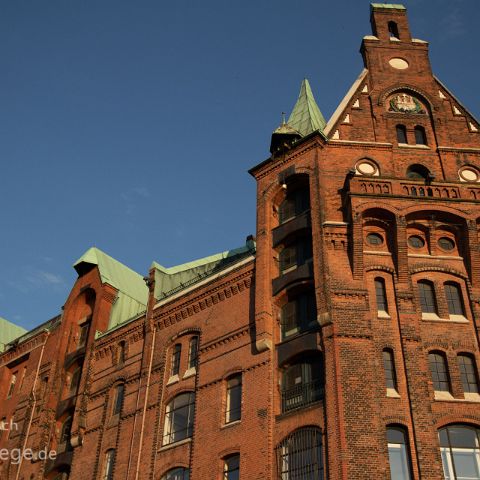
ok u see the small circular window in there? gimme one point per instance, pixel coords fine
(374, 239)
(367, 168)
(446, 243)
(468, 174)
(415, 241)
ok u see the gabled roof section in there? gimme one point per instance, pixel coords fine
(8, 332)
(132, 294)
(169, 281)
(344, 103)
(306, 117)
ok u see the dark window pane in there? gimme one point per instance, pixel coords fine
(231, 468)
(416, 241)
(453, 293)
(177, 474)
(299, 314)
(398, 454)
(193, 352)
(374, 239)
(389, 367)
(295, 203)
(179, 418)
(420, 136)
(427, 297)
(468, 373)
(177, 351)
(119, 393)
(381, 295)
(401, 134)
(438, 369)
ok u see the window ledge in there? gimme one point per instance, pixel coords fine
(392, 393)
(231, 424)
(406, 145)
(435, 257)
(472, 397)
(175, 444)
(444, 396)
(432, 317)
(173, 379)
(383, 314)
(377, 252)
(190, 372)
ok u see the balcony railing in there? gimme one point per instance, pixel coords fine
(414, 188)
(302, 395)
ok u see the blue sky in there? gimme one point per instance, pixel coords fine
(131, 125)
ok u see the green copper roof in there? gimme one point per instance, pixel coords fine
(8, 332)
(306, 117)
(395, 6)
(132, 291)
(170, 280)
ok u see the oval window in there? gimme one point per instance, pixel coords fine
(415, 241)
(374, 239)
(468, 174)
(446, 243)
(366, 168)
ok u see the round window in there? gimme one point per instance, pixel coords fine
(468, 174)
(374, 239)
(415, 241)
(365, 167)
(446, 243)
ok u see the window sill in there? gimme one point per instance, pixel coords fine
(173, 379)
(406, 145)
(377, 252)
(445, 396)
(231, 424)
(175, 444)
(433, 317)
(392, 393)
(383, 314)
(472, 397)
(190, 372)
(436, 257)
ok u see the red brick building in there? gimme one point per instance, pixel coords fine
(340, 343)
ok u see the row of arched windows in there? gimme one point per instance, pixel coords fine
(427, 294)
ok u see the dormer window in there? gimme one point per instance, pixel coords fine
(393, 30)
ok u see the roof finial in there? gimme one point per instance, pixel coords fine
(284, 122)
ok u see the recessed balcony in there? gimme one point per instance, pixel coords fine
(300, 222)
(301, 273)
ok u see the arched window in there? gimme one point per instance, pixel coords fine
(439, 371)
(393, 30)
(118, 399)
(389, 368)
(299, 456)
(193, 352)
(83, 333)
(398, 453)
(296, 202)
(381, 295)
(108, 465)
(75, 380)
(401, 134)
(179, 473)
(179, 418)
(453, 293)
(468, 373)
(298, 314)
(121, 352)
(302, 382)
(426, 292)
(176, 354)
(460, 450)
(420, 135)
(231, 467)
(233, 411)
(418, 172)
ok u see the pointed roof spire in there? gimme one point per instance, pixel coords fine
(306, 117)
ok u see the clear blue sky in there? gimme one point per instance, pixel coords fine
(131, 125)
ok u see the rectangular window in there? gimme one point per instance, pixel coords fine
(176, 354)
(75, 381)
(193, 353)
(231, 468)
(83, 334)
(389, 367)
(234, 399)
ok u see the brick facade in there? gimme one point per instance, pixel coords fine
(385, 253)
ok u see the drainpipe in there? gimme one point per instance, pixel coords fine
(33, 405)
